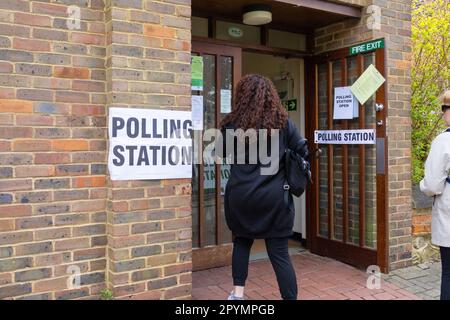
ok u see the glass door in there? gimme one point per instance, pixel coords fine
(348, 202)
(211, 238)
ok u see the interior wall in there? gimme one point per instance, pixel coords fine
(272, 67)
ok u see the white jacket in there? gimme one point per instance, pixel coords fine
(437, 169)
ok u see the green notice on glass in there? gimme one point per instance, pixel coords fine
(197, 73)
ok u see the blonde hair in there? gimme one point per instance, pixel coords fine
(445, 98)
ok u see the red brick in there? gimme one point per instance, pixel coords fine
(51, 259)
(52, 233)
(129, 241)
(68, 72)
(16, 210)
(31, 145)
(32, 19)
(6, 225)
(51, 285)
(32, 45)
(90, 206)
(50, 9)
(70, 244)
(88, 38)
(180, 291)
(34, 171)
(14, 185)
(34, 120)
(5, 146)
(178, 268)
(6, 119)
(5, 67)
(16, 132)
(88, 110)
(70, 145)
(88, 182)
(128, 290)
(51, 158)
(16, 106)
(154, 30)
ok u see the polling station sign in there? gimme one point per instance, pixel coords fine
(363, 136)
(149, 144)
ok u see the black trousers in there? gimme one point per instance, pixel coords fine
(277, 249)
(445, 280)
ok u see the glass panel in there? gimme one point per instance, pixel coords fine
(226, 83)
(199, 27)
(370, 176)
(287, 40)
(209, 121)
(337, 164)
(323, 159)
(353, 165)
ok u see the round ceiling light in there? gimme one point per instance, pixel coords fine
(257, 14)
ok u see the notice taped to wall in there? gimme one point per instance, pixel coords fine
(363, 136)
(149, 144)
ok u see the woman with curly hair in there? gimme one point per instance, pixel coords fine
(255, 204)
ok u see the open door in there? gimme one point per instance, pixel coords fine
(347, 201)
(211, 238)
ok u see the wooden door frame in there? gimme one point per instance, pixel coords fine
(217, 255)
(334, 249)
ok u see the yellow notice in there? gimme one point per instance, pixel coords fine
(367, 84)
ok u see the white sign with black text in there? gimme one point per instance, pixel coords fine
(363, 136)
(149, 144)
(345, 104)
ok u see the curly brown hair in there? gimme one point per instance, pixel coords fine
(256, 106)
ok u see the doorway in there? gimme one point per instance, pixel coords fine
(348, 202)
(287, 74)
(222, 68)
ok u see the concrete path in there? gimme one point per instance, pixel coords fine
(423, 280)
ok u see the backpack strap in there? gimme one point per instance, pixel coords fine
(448, 130)
(286, 165)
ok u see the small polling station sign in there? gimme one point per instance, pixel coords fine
(149, 144)
(363, 136)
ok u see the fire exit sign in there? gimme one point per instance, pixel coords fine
(290, 105)
(367, 46)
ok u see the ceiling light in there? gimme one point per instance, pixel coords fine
(257, 14)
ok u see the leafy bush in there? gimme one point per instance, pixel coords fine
(430, 75)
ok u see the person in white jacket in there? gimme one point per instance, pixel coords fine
(436, 183)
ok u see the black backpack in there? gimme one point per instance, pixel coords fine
(298, 168)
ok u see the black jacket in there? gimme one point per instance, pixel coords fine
(254, 203)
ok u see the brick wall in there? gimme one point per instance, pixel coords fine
(149, 222)
(395, 28)
(52, 149)
(58, 207)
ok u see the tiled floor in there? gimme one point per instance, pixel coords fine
(318, 278)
